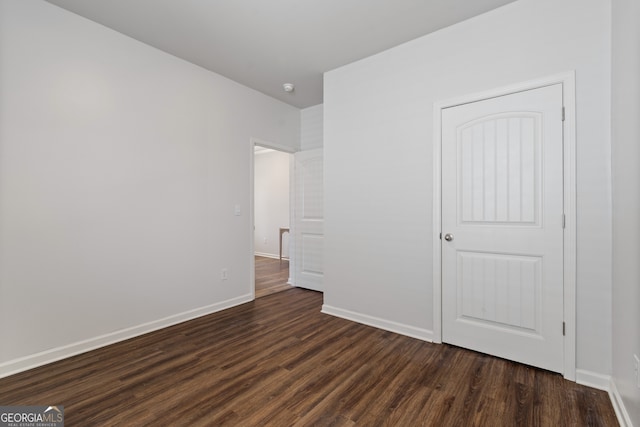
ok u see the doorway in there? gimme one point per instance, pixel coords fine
(271, 219)
(504, 198)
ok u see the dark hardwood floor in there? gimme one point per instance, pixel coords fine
(278, 361)
(271, 276)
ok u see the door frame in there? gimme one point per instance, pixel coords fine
(567, 80)
(252, 165)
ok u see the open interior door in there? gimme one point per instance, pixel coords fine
(308, 224)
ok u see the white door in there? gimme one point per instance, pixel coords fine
(309, 220)
(502, 227)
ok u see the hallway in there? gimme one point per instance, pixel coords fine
(271, 276)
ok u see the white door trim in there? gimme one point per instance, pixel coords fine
(569, 135)
(252, 220)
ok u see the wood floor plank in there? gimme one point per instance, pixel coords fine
(271, 276)
(278, 361)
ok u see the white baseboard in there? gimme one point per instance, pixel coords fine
(266, 255)
(606, 383)
(33, 361)
(273, 256)
(387, 325)
(593, 379)
(618, 406)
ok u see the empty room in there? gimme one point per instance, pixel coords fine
(457, 240)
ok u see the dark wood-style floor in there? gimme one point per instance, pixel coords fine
(271, 276)
(278, 361)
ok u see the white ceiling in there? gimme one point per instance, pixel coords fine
(265, 43)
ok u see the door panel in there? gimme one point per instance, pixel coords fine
(500, 169)
(500, 290)
(502, 203)
(309, 220)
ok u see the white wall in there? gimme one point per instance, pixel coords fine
(120, 167)
(626, 201)
(271, 206)
(311, 127)
(378, 146)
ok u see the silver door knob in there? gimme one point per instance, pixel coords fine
(448, 237)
